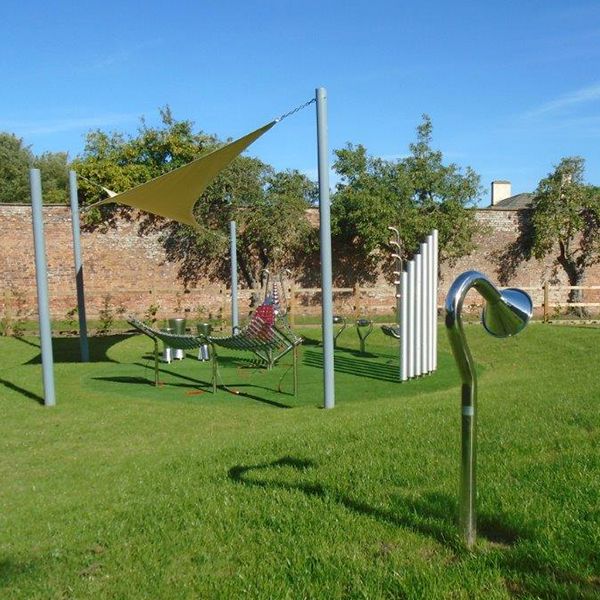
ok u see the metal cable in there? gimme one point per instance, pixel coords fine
(295, 110)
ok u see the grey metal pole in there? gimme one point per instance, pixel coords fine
(84, 349)
(506, 313)
(234, 278)
(325, 242)
(41, 276)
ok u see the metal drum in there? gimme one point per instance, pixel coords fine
(167, 350)
(178, 327)
(204, 350)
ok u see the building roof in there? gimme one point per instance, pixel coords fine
(515, 202)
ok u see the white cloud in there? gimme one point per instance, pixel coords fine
(566, 101)
(49, 126)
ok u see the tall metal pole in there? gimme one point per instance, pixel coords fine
(234, 278)
(84, 349)
(41, 276)
(325, 242)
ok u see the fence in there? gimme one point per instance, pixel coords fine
(357, 301)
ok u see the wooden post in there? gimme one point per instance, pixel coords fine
(356, 300)
(546, 307)
(292, 306)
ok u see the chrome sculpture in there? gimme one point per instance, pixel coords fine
(506, 313)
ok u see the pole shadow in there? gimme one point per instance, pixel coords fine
(194, 384)
(354, 366)
(431, 515)
(22, 391)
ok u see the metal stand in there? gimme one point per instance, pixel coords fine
(396, 243)
(360, 325)
(506, 313)
(337, 319)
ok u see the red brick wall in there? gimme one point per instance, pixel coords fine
(132, 269)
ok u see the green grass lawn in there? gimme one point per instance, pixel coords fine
(124, 490)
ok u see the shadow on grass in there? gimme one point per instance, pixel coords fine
(22, 391)
(532, 577)
(354, 366)
(194, 384)
(514, 548)
(67, 350)
(11, 570)
(430, 514)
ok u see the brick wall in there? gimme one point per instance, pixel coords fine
(132, 269)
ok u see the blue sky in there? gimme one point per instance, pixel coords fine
(511, 86)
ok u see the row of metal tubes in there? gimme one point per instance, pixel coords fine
(418, 311)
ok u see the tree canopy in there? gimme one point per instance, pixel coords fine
(15, 161)
(566, 219)
(268, 206)
(417, 193)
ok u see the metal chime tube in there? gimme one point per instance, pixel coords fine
(429, 308)
(411, 319)
(418, 313)
(404, 326)
(435, 295)
(425, 306)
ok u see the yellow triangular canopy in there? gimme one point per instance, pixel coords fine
(174, 194)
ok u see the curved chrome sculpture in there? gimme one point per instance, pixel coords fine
(506, 313)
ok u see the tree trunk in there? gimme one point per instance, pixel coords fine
(576, 275)
(246, 272)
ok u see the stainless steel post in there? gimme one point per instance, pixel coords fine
(435, 296)
(84, 349)
(234, 279)
(418, 312)
(506, 313)
(425, 310)
(325, 243)
(404, 326)
(41, 276)
(411, 318)
(431, 306)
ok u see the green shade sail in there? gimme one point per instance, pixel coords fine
(174, 194)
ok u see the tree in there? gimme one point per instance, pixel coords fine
(418, 193)
(119, 162)
(275, 230)
(15, 160)
(54, 170)
(566, 217)
(268, 206)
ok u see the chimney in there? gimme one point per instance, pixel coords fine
(500, 191)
